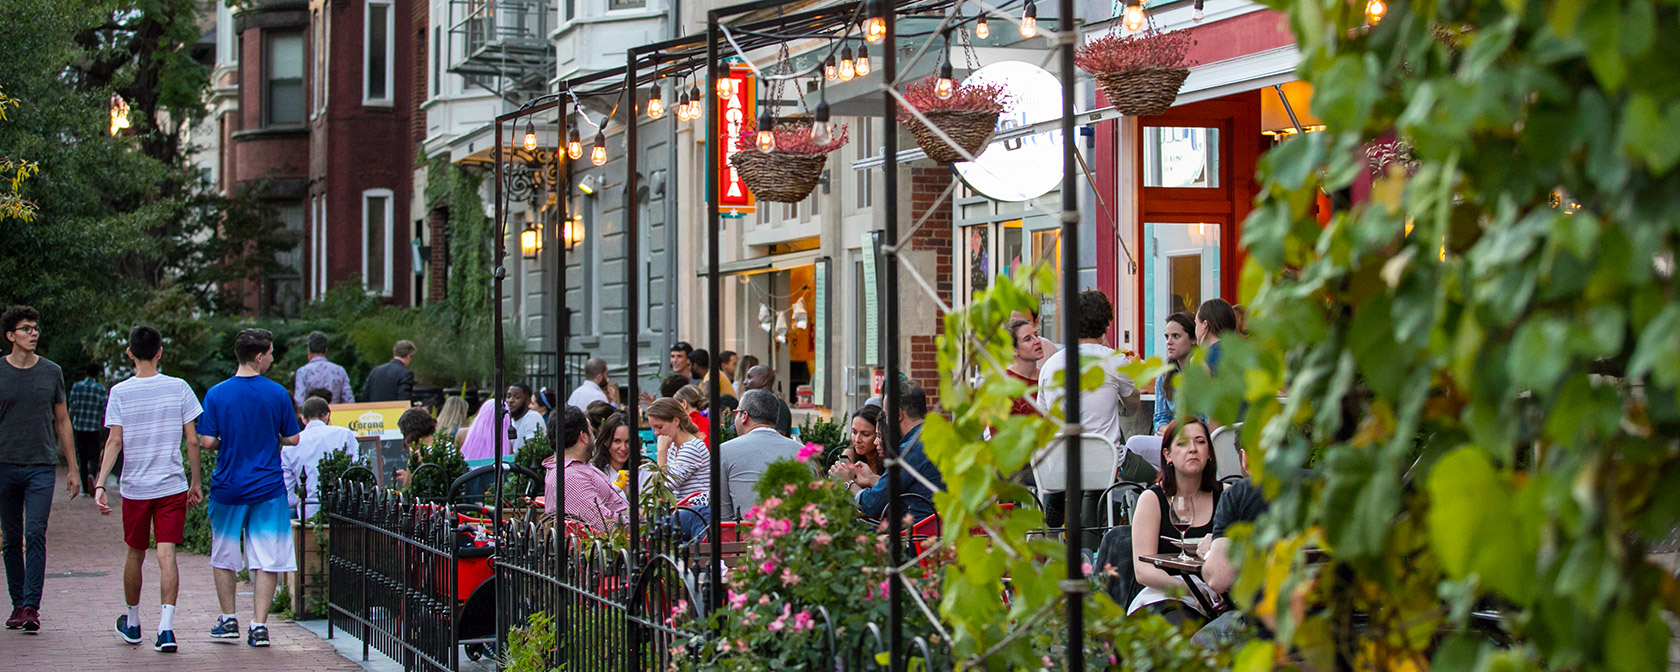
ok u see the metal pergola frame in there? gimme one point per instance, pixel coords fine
(687, 55)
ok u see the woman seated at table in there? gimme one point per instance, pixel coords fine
(864, 452)
(590, 497)
(1187, 495)
(612, 446)
(682, 456)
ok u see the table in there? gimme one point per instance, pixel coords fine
(1186, 569)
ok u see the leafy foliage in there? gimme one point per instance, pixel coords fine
(830, 435)
(1524, 352)
(531, 456)
(432, 483)
(530, 647)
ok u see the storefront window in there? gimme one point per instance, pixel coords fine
(1180, 157)
(1181, 271)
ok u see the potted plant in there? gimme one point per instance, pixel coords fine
(1140, 74)
(784, 164)
(968, 115)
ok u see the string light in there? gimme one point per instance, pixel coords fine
(1134, 15)
(726, 88)
(1197, 15)
(695, 101)
(682, 106)
(656, 107)
(574, 145)
(847, 70)
(831, 71)
(820, 131)
(875, 27)
(1374, 11)
(766, 132)
(862, 62)
(946, 86)
(982, 29)
(1029, 20)
(530, 136)
(598, 153)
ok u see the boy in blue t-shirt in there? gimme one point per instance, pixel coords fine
(249, 417)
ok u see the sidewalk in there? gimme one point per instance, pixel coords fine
(83, 597)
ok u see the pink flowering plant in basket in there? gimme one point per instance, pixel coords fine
(1149, 48)
(794, 135)
(805, 550)
(989, 97)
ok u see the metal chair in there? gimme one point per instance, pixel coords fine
(1226, 450)
(1099, 467)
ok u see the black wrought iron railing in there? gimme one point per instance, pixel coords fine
(392, 575)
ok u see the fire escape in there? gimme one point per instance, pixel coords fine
(502, 45)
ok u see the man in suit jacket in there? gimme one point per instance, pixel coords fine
(391, 381)
(742, 459)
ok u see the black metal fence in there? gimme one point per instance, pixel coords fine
(541, 365)
(392, 575)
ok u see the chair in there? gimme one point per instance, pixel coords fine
(1226, 451)
(1099, 465)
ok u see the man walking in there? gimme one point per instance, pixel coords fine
(742, 459)
(87, 408)
(301, 463)
(391, 381)
(320, 373)
(149, 415)
(32, 416)
(249, 417)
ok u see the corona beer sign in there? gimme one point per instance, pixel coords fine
(738, 111)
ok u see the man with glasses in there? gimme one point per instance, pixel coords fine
(33, 417)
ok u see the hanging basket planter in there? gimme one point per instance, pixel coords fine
(968, 116)
(790, 170)
(1140, 75)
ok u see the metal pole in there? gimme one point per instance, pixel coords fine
(562, 331)
(714, 326)
(632, 264)
(891, 390)
(1073, 508)
(499, 274)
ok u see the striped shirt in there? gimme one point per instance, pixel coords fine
(688, 468)
(87, 402)
(589, 495)
(151, 412)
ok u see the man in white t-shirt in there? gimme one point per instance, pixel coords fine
(301, 463)
(1100, 410)
(593, 387)
(149, 415)
(521, 418)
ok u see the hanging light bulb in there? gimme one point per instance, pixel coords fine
(982, 29)
(695, 100)
(946, 86)
(1374, 11)
(847, 69)
(821, 133)
(656, 107)
(862, 62)
(1197, 14)
(1134, 15)
(574, 145)
(530, 136)
(1029, 20)
(726, 88)
(682, 106)
(766, 132)
(831, 71)
(875, 27)
(598, 153)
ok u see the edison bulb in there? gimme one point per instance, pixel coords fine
(982, 29)
(862, 63)
(682, 106)
(1134, 17)
(574, 146)
(847, 69)
(1029, 20)
(696, 103)
(875, 29)
(1374, 11)
(725, 88)
(530, 140)
(598, 153)
(656, 108)
(945, 87)
(766, 140)
(820, 133)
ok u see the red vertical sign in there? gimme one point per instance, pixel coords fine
(733, 195)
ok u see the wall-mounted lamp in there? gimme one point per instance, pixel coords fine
(530, 241)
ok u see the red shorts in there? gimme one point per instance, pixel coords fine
(166, 517)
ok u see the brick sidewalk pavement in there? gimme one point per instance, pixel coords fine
(83, 597)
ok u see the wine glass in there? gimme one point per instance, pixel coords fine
(1181, 514)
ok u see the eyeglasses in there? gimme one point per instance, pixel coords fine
(31, 329)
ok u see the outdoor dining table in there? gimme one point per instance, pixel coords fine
(1186, 568)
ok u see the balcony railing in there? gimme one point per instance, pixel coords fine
(502, 38)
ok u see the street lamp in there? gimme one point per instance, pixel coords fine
(530, 240)
(571, 232)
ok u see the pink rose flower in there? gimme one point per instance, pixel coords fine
(790, 488)
(822, 539)
(809, 450)
(803, 621)
(764, 600)
(789, 578)
(769, 566)
(737, 600)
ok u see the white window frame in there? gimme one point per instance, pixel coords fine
(390, 230)
(390, 53)
(318, 265)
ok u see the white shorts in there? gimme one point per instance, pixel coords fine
(265, 528)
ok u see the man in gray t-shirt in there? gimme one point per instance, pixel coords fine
(33, 417)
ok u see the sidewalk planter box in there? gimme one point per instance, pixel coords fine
(308, 585)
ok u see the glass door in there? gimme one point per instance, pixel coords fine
(1181, 272)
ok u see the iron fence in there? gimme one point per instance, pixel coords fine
(392, 575)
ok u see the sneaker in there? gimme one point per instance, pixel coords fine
(258, 636)
(165, 642)
(15, 621)
(130, 633)
(227, 628)
(31, 618)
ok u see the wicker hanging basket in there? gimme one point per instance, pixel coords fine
(1143, 91)
(778, 176)
(971, 129)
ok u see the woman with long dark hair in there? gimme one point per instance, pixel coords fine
(1179, 507)
(1179, 332)
(612, 446)
(1029, 351)
(683, 456)
(862, 453)
(1214, 318)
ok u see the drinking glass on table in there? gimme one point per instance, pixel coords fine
(1181, 513)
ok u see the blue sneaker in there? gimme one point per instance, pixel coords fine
(165, 642)
(130, 633)
(227, 628)
(258, 636)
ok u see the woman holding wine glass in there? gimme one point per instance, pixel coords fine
(1179, 508)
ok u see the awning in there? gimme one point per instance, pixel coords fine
(766, 264)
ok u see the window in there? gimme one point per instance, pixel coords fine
(378, 54)
(318, 246)
(571, 9)
(283, 68)
(816, 202)
(1180, 157)
(437, 61)
(318, 32)
(376, 241)
(865, 178)
(625, 4)
(588, 261)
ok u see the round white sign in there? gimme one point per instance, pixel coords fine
(1023, 168)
